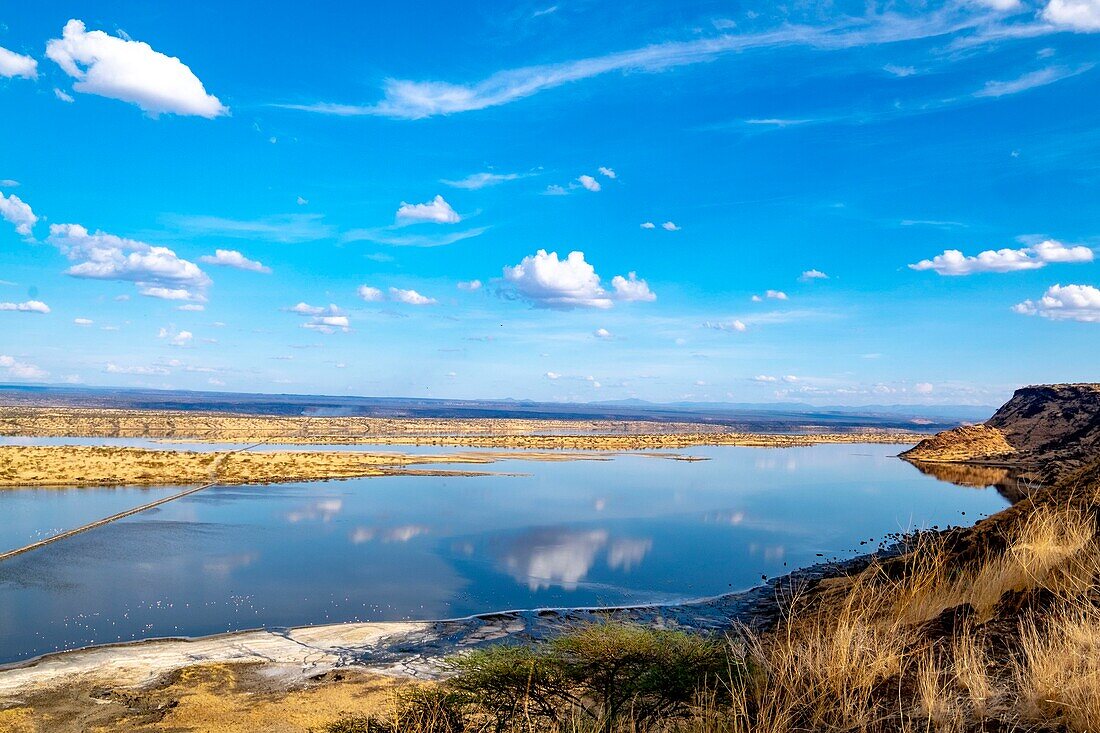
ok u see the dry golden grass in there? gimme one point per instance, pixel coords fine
(100, 466)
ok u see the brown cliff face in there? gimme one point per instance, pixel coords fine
(1049, 429)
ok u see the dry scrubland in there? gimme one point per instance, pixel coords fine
(474, 433)
(104, 466)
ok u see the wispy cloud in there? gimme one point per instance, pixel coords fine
(385, 235)
(1031, 80)
(407, 99)
(283, 228)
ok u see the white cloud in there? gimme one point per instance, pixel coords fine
(1065, 303)
(954, 262)
(233, 258)
(162, 293)
(811, 275)
(407, 99)
(1001, 5)
(476, 181)
(328, 324)
(19, 369)
(195, 307)
(772, 294)
(29, 306)
(1078, 15)
(607, 172)
(15, 211)
(589, 183)
(305, 309)
(547, 282)
(648, 225)
(901, 71)
(470, 285)
(555, 190)
(765, 378)
(371, 295)
(176, 338)
(1031, 80)
(83, 321)
(436, 211)
(157, 271)
(387, 237)
(328, 319)
(13, 64)
(301, 201)
(130, 71)
(552, 375)
(602, 333)
(631, 289)
(63, 96)
(923, 388)
(112, 368)
(669, 226)
(734, 325)
(410, 297)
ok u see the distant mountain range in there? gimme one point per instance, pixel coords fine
(779, 417)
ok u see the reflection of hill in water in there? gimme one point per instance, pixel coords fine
(980, 477)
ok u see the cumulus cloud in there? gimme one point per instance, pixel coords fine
(410, 297)
(328, 324)
(176, 338)
(555, 190)
(325, 319)
(18, 213)
(436, 211)
(371, 295)
(607, 172)
(20, 369)
(83, 321)
(923, 388)
(552, 375)
(1065, 303)
(1078, 15)
(130, 71)
(734, 325)
(547, 282)
(589, 183)
(475, 181)
(770, 294)
(157, 271)
(669, 226)
(396, 295)
(29, 306)
(648, 225)
(602, 333)
(233, 258)
(811, 275)
(953, 262)
(470, 285)
(13, 64)
(631, 289)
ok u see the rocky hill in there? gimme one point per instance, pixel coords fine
(1050, 430)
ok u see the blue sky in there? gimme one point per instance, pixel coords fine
(832, 203)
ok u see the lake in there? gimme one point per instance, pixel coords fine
(631, 530)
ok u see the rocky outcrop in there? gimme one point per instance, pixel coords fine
(1046, 431)
(968, 443)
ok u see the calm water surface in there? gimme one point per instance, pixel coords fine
(634, 529)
